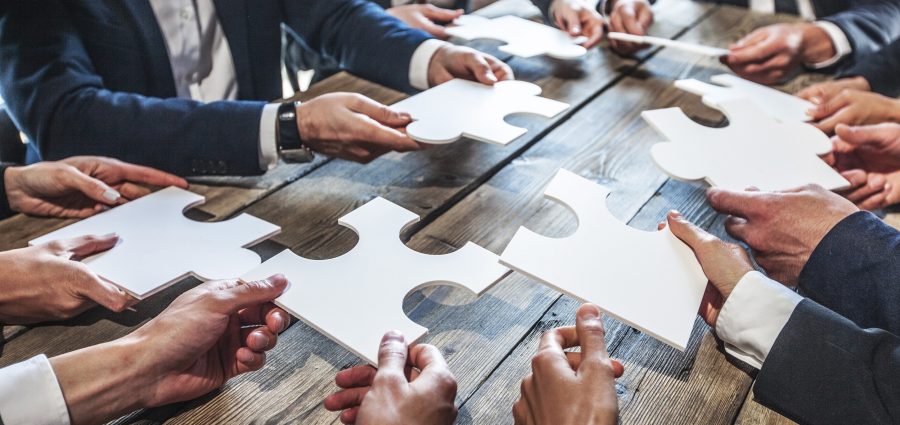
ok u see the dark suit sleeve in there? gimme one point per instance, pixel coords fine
(823, 369)
(881, 70)
(544, 6)
(870, 25)
(5, 210)
(57, 98)
(383, 3)
(855, 271)
(360, 36)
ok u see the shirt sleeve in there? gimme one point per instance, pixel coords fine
(839, 40)
(268, 144)
(753, 316)
(421, 59)
(30, 394)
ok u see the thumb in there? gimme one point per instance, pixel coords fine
(686, 231)
(93, 188)
(382, 113)
(242, 294)
(392, 354)
(79, 248)
(439, 14)
(105, 293)
(590, 331)
(570, 22)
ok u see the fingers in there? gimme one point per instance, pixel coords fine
(391, 355)
(737, 203)
(592, 29)
(103, 293)
(686, 231)
(550, 355)
(274, 318)
(569, 21)
(93, 188)
(249, 360)
(500, 69)
(831, 106)
(358, 376)
(259, 339)
(439, 14)
(755, 47)
(349, 416)
(591, 334)
(237, 295)
(434, 370)
(479, 67)
(149, 176)
(380, 113)
(866, 134)
(346, 399)
(77, 249)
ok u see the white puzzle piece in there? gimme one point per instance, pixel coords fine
(650, 280)
(458, 108)
(753, 150)
(159, 246)
(357, 297)
(781, 106)
(523, 38)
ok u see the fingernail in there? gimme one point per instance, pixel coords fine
(111, 235)
(393, 335)
(111, 195)
(261, 339)
(589, 312)
(492, 77)
(281, 322)
(405, 116)
(245, 357)
(676, 214)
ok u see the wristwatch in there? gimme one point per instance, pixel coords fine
(290, 145)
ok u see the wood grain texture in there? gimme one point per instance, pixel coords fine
(470, 191)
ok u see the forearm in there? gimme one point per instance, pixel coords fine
(355, 32)
(854, 271)
(102, 382)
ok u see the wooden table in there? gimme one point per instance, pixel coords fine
(470, 191)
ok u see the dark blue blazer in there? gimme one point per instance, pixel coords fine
(855, 271)
(93, 77)
(825, 369)
(880, 69)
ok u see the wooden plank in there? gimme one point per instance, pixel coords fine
(753, 413)
(513, 194)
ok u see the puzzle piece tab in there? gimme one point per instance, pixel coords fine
(159, 246)
(458, 108)
(650, 280)
(753, 150)
(524, 38)
(357, 297)
(779, 105)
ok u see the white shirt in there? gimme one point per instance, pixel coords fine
(203, 68)
(30, 394)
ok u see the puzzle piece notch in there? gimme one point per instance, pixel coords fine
(524, 38)
(159, 246)
(473, 110)
(605, 262)
(357, 297)
(779, 105)
(753, 150)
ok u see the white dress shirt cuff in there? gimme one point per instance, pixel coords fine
(268, 143)
(421, 59)
(753, 317)
(30, 394)
(839, 40)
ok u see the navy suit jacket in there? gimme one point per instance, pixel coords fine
(855, 271)
(881, 70)
(93, 77)
(824, 369)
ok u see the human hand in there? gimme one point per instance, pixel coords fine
(198, 343)
(578, 18)
(425, 17)
(48, 282)
(451, 62)
(771, 53)
(782, 228)
(724, 264)
(571, 388)
(418, 389)
(825, 91)
(631, 17)
(869, 158)
(353, 127)
(80, 186)
(853, 107)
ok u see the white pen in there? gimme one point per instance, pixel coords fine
(657, 41)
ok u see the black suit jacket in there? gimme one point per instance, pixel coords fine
(93, 77)
(881, 70)
(5, 211)
(824, 369)
(855, 271)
